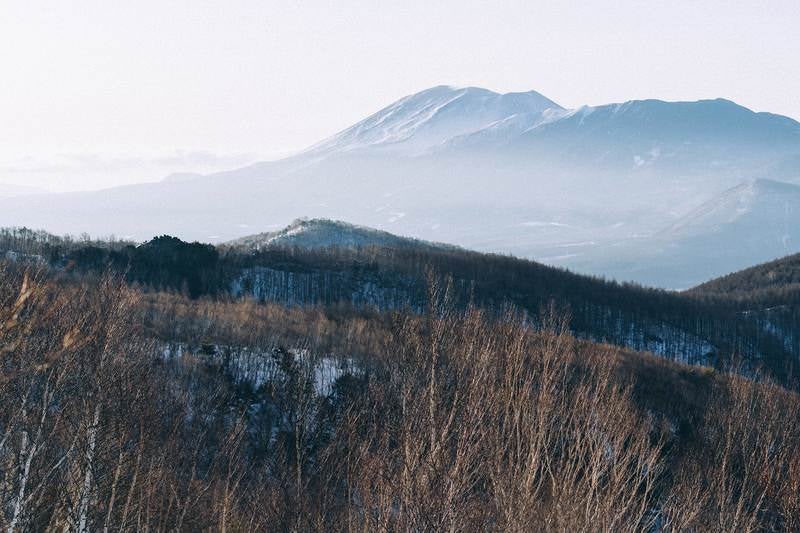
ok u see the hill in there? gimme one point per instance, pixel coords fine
(323, 233)
(771, 285)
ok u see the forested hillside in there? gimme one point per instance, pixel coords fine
(683, 327)
(129, 409)
(773, 283)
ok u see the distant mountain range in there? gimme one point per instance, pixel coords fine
(647, 190)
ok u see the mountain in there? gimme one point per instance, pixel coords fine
(754, 222)
(758, 209)
(511, 173)
(322, 233)
(635, 124)
(431, 117)
(767, 294)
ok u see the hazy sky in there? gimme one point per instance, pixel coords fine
(99, 92)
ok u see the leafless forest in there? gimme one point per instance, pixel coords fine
(400, 267)
(130, 409)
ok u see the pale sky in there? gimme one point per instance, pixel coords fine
(101, 92)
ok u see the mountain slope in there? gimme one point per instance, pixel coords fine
(760, 209)
(430, 117)
(779, 280)
(321, 233)
(754, 222)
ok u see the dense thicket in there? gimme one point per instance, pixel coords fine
(128, 411)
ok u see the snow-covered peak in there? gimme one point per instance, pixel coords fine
(717, 119)
(431, 117)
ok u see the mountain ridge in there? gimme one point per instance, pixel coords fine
(432, 109)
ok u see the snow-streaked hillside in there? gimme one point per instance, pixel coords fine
(323, 233)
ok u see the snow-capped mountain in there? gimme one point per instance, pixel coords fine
(431, 117)
(707, 136)
(512, 173)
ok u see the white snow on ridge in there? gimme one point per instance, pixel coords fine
(432, 117)
(321, 233)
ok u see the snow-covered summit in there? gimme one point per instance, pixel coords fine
(432, 116)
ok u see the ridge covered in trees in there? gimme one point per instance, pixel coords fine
(692, 327)
(773, 283)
